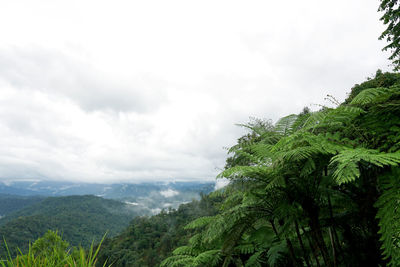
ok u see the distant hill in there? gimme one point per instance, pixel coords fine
(80, 219)
(145, 198)
(113, 191)
(12, 203)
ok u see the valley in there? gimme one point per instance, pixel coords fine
(83, 213)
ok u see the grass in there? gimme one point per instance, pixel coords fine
(56, 256)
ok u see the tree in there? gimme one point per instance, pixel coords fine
(391, 18)
(50, 243)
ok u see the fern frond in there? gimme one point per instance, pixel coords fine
(208, 258)
(389, 216)
(184, 250)
(178, 261)
(315, 119)
(255, 260)
(284, 126)
(262, 151)
(245, 248)
(244, 172)
(276, 252)
(199, 222)
(370, 96)
(346, 162)
(308, 167)
(195, 240)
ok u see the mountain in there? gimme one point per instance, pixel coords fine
(80, 219)
(12, 203)
(145, 198)
(149, 240)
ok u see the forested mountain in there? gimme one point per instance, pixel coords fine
(12, 203)
(113, 191)
(80, 219)
(149, 240)
(146, 198)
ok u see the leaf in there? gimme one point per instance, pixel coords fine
(275, 252)
(370, 96)
(284, 125)
(199, 222)
(208, 258)
(389, 216)
(345, 164)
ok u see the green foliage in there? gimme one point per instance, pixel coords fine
(149, 240)
(303, 191)
(51, 251)
(389, 216)
(371, 96)
(276, 252)
(11, 203)
(50, 243)
(391, 34)
(80, 219)
(346, 163)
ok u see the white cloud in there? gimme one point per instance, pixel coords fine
(220, 183)
(139, 90)
(56, 73)
(169, 193)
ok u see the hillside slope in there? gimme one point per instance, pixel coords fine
(149, 240)
(13, 203)
(80, 219)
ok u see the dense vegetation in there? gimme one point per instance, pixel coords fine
(80, 219)
(12, 203)
(391, 18)
(148, 240)
(315, 189)
(51, 250)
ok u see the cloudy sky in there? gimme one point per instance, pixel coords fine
(109, 91)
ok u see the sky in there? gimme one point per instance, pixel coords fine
(129, 91)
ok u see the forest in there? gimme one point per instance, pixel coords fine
(80, 220)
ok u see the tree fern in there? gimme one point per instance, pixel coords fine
(346, 163)
(284, 126)
(371, 96)
(389, 216)
(178, 261)
(256, 260)
(199, 222)
(208, 258)
(276, 252)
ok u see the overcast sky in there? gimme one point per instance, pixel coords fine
(110, 91)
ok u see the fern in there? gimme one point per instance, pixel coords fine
(276, 252)
(245, 248)
(208, 258)
(370, 96)
(199, 222)
(389, 216)
(184, 250)
(308, 168)
(255, 260)
(178, 261)
(346, 163)
(284, 126)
